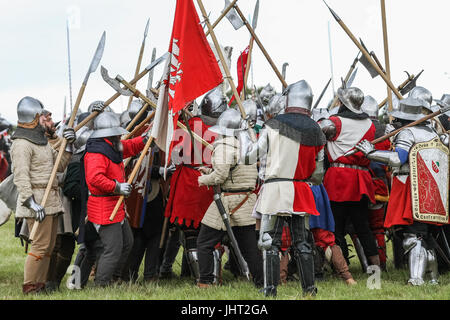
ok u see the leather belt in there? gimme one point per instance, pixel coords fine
(231, 192)
(283, 180)
(350, 166)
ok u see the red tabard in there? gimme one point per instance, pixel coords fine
(399, 210)
(187, 203)
(100, 175)
(348, 184)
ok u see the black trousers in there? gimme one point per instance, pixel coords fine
(358, 213)
(246, 239)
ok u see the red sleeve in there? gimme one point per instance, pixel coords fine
(96, 166)
(132, 147)
(337, 122)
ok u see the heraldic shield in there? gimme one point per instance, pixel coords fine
(429, 165)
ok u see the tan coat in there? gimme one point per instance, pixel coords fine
(32, 165)
(230, 177)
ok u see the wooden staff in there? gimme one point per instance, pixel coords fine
(226, 69)
(365, 53)
(264, 51)
(386, 52)
(132, 176)
(92, 67)
(141, 54)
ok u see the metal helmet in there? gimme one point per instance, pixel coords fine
(107, 124)
(82, 137)
(409, 109)
(352, 98)
(299, 95)
(267, 93)
(423, 94)
(28, 109)
(444, 101)
(228, 123)
(214, 103)
(370, 106)
(251, 109)
(125, 118)
(83, 116)
(4, 124)
(99, 102)
(276, 105)
(320, 114)
(135, 107)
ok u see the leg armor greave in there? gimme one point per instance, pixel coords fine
(432, 266)
(417, 259)
(192, 259)
(303, 243)
(217, 255)
(269, 242)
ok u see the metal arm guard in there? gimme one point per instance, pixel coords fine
(389, 158)
(317, 176)
(328, 128)
(250, 151)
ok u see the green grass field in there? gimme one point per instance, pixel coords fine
(393, 284)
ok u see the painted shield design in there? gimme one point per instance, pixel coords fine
(429, 163)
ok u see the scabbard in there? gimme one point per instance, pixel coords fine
(223, 213)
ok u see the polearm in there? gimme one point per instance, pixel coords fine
(224, 13)
(150, 75)
(364, 52)
(386, 52)
(226, 69)
(250, 48)
(347, 77)
(93, 66)
(387, 136)
(69, 65)
(399, 88)
(141, 54)
(321, 94)
(264, 51)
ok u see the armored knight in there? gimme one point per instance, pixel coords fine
(237, 183)
(32, 160)
(188, 201)
(402, 208)
(293, 144)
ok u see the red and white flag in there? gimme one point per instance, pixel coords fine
(241, 67)
(191, 70)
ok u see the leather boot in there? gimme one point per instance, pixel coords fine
(33, 288)
(340, 265)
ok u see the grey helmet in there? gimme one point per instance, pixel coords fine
(410, 109)
(135, 107)
(319, 114)
(83, 116)
(125, 118)
(370, 106)
(251, 109)
(276, 105)
(107, 124)
(228, 123)
(352, 98)
(4, 124)
(299, 94)
(82, 137)
(28, 109)
(444, 102)
(266, 94)
(213, 103)
(422, 94)
(99, 102)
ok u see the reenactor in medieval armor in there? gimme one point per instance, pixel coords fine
(188, 201)
(293, 146)
(33, 159)
(348, 181)
(237, 183)
(414, 206)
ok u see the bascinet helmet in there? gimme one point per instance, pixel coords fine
(422, 94)
(370, 106)
(266, 94)
(228, 123)
(276, 105)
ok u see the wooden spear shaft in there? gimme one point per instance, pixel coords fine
(367, 55)
(386, 52)
(138, 67)
(249, 61)
(132, 176)
(226, 69)
(399, 88)
(264, 51)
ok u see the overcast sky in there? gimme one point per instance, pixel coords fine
(33, 55)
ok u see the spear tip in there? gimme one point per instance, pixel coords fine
(332, 12)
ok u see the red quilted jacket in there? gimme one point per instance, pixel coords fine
(100, 174)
